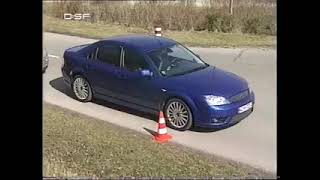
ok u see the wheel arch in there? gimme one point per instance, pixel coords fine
(185, 98)
(81, 73)
(77, 72)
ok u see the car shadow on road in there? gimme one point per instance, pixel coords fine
(125, 109)
(59, 85)
(206, 130)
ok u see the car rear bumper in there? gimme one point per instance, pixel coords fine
(66, 77)
(225, 115)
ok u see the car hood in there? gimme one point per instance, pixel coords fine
(208, 81)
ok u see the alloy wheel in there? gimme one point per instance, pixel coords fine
(81, 88)
(178, 114)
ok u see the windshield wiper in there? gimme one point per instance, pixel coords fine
(190, 71)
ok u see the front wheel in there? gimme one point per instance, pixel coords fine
(81, 89)
(178, 114)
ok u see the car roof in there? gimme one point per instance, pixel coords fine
(143, 43)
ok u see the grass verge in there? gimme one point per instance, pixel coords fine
(189, 38)
(77, 145)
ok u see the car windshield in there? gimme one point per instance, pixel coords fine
(176, 60)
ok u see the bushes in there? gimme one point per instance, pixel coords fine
(251, 25)
(220, 23)
(173, 16)
(259, 25)
(251, 20)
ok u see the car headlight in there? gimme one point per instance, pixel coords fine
(216, 100)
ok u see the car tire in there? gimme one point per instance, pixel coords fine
(178, 115)
(81, 89)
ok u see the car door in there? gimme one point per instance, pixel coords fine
(103, 70)
(140, 90)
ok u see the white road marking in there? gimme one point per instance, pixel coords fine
(50, 55)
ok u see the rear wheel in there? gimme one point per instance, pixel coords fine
(178, 114)
(81, 89)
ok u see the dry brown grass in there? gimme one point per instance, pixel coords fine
(184, 15)
(190, 38)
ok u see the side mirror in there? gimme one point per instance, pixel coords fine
(146, 73)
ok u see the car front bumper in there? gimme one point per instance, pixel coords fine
(224, 115)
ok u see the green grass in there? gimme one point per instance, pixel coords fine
(190, 38)
(77, 145)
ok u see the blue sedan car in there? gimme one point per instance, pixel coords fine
(151, 73)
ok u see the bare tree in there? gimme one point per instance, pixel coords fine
(231, 7)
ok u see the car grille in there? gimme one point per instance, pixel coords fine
(239, 96)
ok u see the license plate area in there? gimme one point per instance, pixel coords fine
(245, 107)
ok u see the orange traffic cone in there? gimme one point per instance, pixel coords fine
(162, 135)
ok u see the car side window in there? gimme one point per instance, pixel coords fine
(109, 55)
(133, 61)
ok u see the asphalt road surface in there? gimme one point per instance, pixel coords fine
(252, 141)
